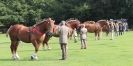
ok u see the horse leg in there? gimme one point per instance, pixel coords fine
(95, 36)
(48, 47)
(34, 55)
(46, 43)
(43, 45)
(98, 36)
(101, 34)
(13, 47)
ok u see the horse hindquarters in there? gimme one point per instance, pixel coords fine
(13, 32)
(13, 47)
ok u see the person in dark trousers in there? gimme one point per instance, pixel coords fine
(120, 28)
(63, 39)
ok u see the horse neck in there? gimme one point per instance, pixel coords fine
(73, 26)
(102, 25)
(41, 28)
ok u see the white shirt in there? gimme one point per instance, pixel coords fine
(83, 33)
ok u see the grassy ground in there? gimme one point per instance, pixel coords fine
(105, 52)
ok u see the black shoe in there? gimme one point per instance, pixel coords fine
(82, 48)
(62, 59)
(85, 48)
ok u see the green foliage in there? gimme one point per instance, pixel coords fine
(30, 11)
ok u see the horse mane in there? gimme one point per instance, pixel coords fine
(72, 19)
(90, 22)
(40, 22)
(101, 21)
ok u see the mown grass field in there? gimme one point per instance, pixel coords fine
(104, 52)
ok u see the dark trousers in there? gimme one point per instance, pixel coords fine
(120, 32)
(64, 50)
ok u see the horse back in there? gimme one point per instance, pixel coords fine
(19, 32)
(14, 29)
(92, 28)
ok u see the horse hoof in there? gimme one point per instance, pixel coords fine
(85, 48)
(34, 58)
(49, 48)
(15, 58)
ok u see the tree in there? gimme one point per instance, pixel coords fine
(31, 11)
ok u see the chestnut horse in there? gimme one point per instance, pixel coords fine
(71, 23)
(47, 38)
(96, 27)
(34, 35)
(89, 22)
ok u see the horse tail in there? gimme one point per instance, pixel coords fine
(7, 33)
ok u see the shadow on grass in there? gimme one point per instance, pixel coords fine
(38, 51)
(30, 60)
(5, 59)
(5, 42)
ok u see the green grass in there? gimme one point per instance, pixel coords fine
(104, 52)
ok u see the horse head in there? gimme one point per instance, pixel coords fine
(73, 23)
(51, 24)
(103, 23)
(46, 26)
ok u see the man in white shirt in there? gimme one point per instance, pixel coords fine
(75, 35)
(83, 37)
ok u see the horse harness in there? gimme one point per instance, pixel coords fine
(35, 30)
